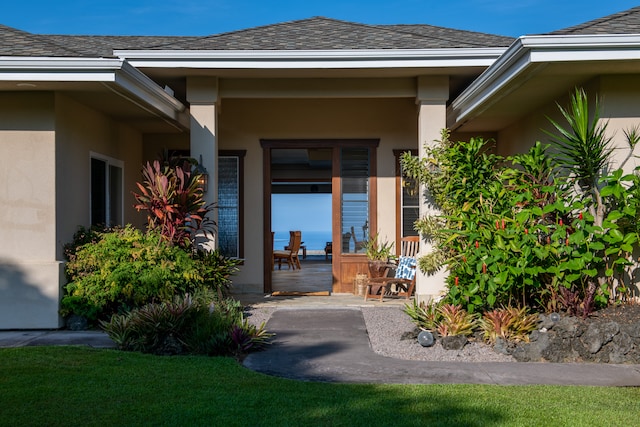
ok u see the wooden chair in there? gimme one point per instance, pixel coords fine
(358, 244)
(404, 278)
(289, 255)
(328, 250)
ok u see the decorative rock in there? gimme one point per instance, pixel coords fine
(453, 342)
(425, 338)
(77, 323)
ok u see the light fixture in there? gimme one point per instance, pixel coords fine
(202, 176)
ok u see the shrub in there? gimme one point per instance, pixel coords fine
(174, 201)
(542, 232)
(127, 268)
(185, 326)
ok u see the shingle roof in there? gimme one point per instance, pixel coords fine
(321, 33)
(14, 42)
(316, 33)
(625, 22)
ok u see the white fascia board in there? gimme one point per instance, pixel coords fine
(44, 69)
(310, 59)
(135, 82)
(116, 74)
(532, 53)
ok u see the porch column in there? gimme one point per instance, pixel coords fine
(432, 96)
(202, 95)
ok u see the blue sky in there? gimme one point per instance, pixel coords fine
(307, 212)
(202, 17)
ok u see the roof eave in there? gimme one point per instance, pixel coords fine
(309, 59)
(114, 74)
(530, 54)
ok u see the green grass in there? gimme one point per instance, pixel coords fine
(73, 386)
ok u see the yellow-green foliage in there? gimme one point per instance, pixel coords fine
(128, 268)
(510, 324)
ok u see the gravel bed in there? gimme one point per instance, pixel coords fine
(388, 328)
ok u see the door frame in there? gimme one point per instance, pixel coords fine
(339, 271)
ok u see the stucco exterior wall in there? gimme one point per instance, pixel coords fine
(45, 145)
(244, 122)
(29, 270)
(619, 105)
(81, 131)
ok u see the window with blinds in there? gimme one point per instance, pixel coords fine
(355, 172)
(230, 204)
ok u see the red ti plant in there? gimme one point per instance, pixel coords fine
(174, 202)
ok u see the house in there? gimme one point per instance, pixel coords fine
(317, 102)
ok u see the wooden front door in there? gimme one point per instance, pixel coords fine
(353, 195)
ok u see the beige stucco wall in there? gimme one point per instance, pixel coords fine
(243, 122)
(45, 145)
(619, 101)
(81, 131)
(29, 271)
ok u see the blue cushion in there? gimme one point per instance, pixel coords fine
(406, 268)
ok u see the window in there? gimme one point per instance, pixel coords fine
(106, 190)
(407, 199)
(230, 209)
(355, 172)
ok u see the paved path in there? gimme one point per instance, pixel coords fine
(332, 345)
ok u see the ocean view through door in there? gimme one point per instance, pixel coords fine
(325, 190)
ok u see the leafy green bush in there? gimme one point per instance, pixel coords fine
(127, 268)
(543, 233)
(185, 326)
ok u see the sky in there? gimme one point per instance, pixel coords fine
(307, 212)
(203, 17)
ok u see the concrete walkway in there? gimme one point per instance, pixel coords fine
(333, 346)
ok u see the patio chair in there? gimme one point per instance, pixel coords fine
(328, 250)
(290, 255)
(359, 245)
(404, 279)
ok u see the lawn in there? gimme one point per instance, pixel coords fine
(81, 386)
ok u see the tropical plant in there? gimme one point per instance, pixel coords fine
(455, 320)
(583, 148)
(377, 250)
(520, 235)
(128, 268)
(424, 315)
(510, 324)
(174, 201)
(185, 326)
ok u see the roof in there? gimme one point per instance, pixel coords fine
(317, 33)
(625, 22)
